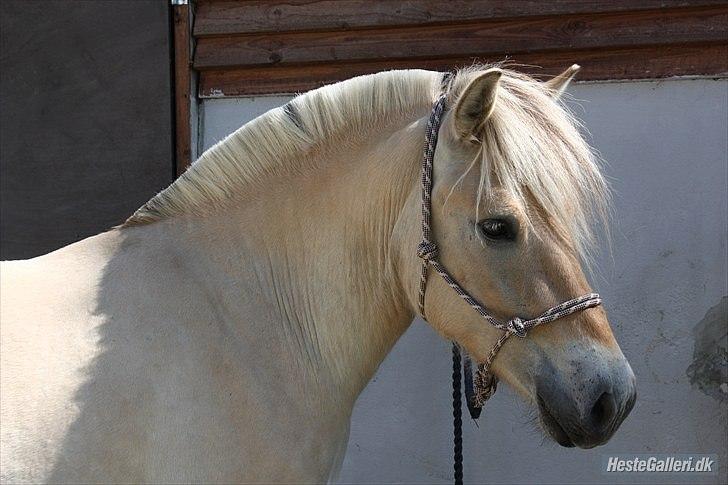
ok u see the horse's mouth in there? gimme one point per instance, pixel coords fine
(552, 426)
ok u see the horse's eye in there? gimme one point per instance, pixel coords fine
(497, 229)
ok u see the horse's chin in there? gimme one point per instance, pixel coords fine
(552, 426)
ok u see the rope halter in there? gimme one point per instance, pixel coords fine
(484, 381)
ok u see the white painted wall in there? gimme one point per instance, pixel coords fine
(666, 144)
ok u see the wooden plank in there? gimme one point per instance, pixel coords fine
(183, 133)
(234, 17)
(498, 37)
(623, 63)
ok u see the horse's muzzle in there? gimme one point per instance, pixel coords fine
(586, 408)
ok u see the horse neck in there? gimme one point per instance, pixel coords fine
(317, 251)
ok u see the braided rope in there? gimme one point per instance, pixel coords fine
(427, 250)
(457, 416)
(484, 382)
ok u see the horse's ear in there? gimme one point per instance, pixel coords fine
(558, 84)
(476, 103)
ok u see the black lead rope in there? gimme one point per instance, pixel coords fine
(457, 416)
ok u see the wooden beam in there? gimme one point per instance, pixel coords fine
(494, 38)
(182, 79)
(230, 17)
(648, 62)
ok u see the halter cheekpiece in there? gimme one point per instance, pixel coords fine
(484, 382)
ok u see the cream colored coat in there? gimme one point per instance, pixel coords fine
(229, 345)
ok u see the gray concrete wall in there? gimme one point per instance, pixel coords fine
(666, 144)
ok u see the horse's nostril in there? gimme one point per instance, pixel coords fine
(604, 410)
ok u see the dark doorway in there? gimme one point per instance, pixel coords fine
(85, 118)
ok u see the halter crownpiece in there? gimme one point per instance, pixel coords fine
(484, 381)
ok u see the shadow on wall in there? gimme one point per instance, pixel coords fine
(709, 370)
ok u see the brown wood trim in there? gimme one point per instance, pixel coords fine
(229, 17)
(602, 64)
(486, 38)
(182, 79)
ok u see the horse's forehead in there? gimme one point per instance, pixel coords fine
(464, 192)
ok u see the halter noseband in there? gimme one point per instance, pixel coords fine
(484, 381)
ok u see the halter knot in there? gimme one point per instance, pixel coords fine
(427, 250)
(515, 325)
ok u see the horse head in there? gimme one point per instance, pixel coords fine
(516, 193)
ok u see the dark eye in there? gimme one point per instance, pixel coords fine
(497, 229)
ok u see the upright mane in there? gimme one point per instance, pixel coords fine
(531, 146)
(282, 139)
